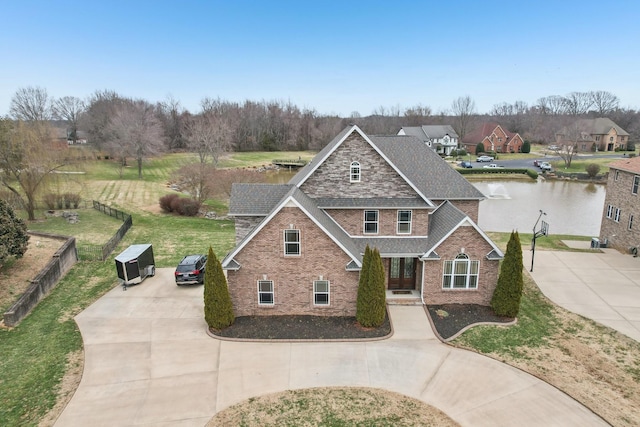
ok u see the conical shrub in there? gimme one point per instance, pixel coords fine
(218, 309)
(508, 293)
(371, 304)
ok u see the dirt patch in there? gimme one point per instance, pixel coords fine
(332, 406)
(154, 209)
(68, 386)
(449, 319)
(16, 278)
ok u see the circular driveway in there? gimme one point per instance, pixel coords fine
(149, 362)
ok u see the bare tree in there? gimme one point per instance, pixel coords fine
(578, 103)
(136, 131)
(172, 117)
(417, 115)
(101, 107)
(464, 110)
(604, 102)
(209, 136)
(552, 105)
(31, 104)
(196, 180)
(27, 158)
(69, 109)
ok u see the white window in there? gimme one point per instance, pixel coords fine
(265, 292)
(404, 222)
(630, 222)
(321, 292)
(292, 242)
(460, 273)
(354, 172)
(609, 211)
(371, 222)
(636, 184)
(617, 217)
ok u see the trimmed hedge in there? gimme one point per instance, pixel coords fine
(480, 171)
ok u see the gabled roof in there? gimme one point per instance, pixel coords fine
(319, 217)
(631, 164)
(425, 169)
(255, 199)
(446, 219)
(370, 202)
(394, 246)
(599, 126)
(427, 132)
(485, 130)
(422, 168)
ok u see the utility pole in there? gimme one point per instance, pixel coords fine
(544, 231)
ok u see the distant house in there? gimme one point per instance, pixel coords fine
(494, 138)
(620, 226)
(299, 246)
(442, 138)
(588, 134)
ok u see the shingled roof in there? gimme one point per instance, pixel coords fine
(428, 132)
(631, 164)
(255, 199)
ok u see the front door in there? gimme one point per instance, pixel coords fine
(402, 273)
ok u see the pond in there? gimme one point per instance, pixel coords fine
(571, 207)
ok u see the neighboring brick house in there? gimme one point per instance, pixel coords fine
(602, 133)
(299, 246)
(442, 138)
(494, 138)
(620, 227)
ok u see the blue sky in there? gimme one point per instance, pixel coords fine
(332, 56)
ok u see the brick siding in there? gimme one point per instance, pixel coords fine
(352, 221)
(244, 224)
(619, 195)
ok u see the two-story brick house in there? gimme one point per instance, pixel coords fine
(494, 138)
(602, 133)
(620, 226)
(299, 245)
(442, 138)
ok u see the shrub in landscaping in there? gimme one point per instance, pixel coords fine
(71, 200)
(526, 147)
(533, 174)
(218, 309)
(13, 234)
(167, 201)
(592, 169)
(480, 148)
(50, 200)
(371, 300)
(189, 207)
(508, 293)
(631, 146)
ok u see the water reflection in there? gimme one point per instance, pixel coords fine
(572, 207)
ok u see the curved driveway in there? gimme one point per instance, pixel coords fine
(149, 362)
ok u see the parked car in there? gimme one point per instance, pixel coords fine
(545, 166)
(466, 165)
(191, 270)
(554, 147)
(536, 163)
(493, 166)
(484, 159)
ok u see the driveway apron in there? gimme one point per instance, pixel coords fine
(149, 362)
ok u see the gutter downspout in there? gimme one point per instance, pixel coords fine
(422, 285)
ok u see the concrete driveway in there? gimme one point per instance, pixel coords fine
(603, 286)
(149, 362)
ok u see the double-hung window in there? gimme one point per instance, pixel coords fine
(636, 184)
(616, 218)
(321, 292)
(292, 242)
(460, 273)
(404, 222)
(265, 292)
(370, 222)
(354, 172)
(609, 211)
(630, 222)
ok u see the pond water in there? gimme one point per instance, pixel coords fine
(573, 208)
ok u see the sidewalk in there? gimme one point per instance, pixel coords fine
(149, 362)
(603, 286)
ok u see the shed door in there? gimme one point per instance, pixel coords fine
(402, 273)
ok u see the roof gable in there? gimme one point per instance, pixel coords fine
(631, 164)
(255, 199)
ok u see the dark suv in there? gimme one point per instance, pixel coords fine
(191, 270)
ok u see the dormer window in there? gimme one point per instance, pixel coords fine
(354, 172)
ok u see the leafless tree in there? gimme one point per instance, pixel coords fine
(69, 109)
(101, 107)
(31, 103)
(136, 131)
(567, 148)
(578, 103)
(196, 180)
(417, 115)
(604, 102)
(552, 105)
(172, 116)
(464, 110)
(27, 158)
(209, 136)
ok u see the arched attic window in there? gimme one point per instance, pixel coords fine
(354, 172)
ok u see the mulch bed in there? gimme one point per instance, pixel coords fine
(448, 320)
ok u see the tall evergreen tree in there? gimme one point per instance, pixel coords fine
(13, 234)
(508, 293)
(371, 304)
(218, 309)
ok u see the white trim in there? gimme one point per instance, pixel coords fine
(402, 236)
(364, 222)
(352, 166)
(328, 292)
(410, 222)
(285, 243)
(475, 226)
(272, 292)
(635, 185)
(467, 275)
